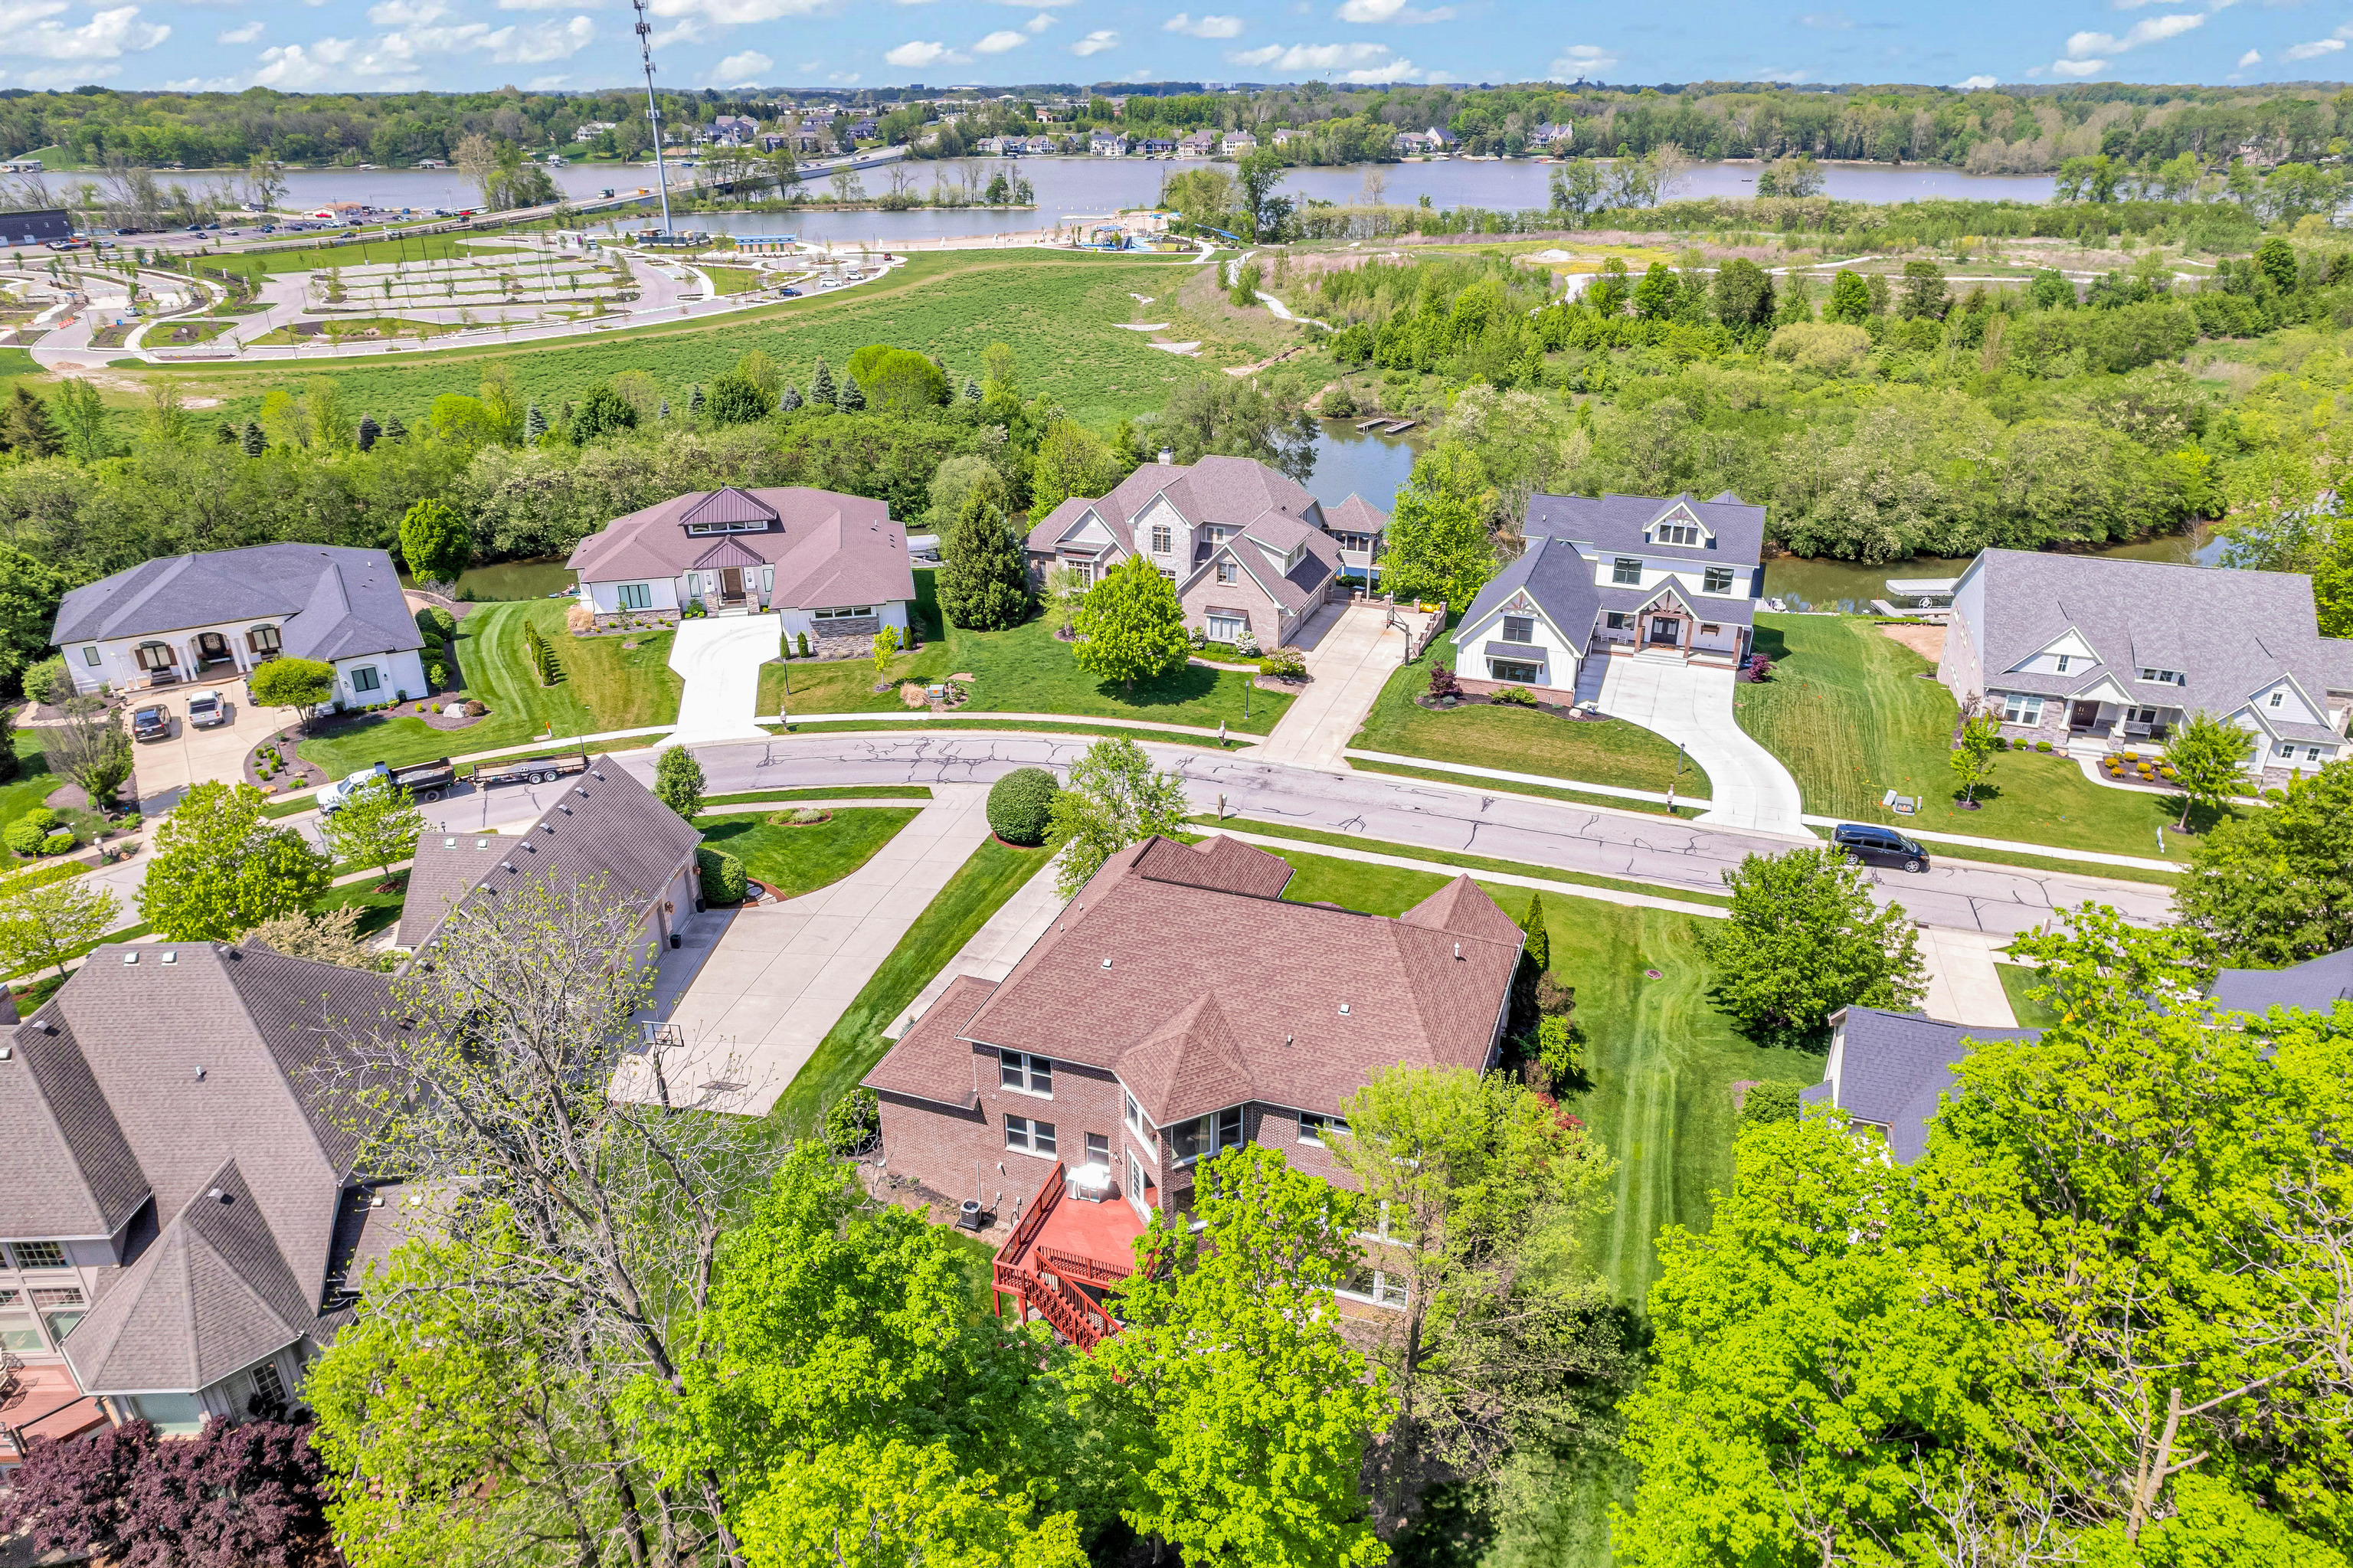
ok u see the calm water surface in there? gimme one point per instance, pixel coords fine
(1849, 585)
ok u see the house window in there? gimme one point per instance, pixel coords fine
(1318, 1129)
(268, 1385)
(1717, 579)
(1226, 626)
(2165, 677)
(154, 655)
(18, 1333)
(635, 596)
(1098, 1149)
(1028, 1074)
(263, 639)
(1710, 628)
(1162, 541)
(364, 678)
(2064, 660)
(2140, 715)
(38, 1254)
(68, 1297)
(2278, 698)
(1519, 628)
(1675, 533)
(2018, 707)
(1506, 670)
(91, 655)
(857, 613)
(1216, 535)
(173, 1414)
(2312, 754)
(1207, 1134)
(1378, 1286)
(1136, 1122)
(1228, 572)
(1029, 1137)
(1626, 569)
(1617, 620)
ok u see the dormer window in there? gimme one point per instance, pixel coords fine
(744, 526)
(2063, 659)
(1626, 569)
(2279, 698)
(1675, 533)
(2165, 677)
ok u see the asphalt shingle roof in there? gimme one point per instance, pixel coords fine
(932, 1061)
(1894, 1066)
(1562, 581)
(2315, 985)
(329, 602)
(828, 550)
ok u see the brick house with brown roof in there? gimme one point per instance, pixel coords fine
(1111, 1061)
(1247, 547)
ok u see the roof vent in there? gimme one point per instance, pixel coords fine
(171, 958)
(482, 843)
(375, 1200)
(200, 1075)
(1343, 1010)
(562, 808)
(547, 827)
(448, 843)
(598, 777)
(131, 958)
(216, 1195)
(1167, 456)
(1106, 963)
(7, 1053)
(506, 865)
(1457, 951)
(580, 791)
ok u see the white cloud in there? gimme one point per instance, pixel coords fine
(1095, 43)
(246, 34)
(69, 76)
(1036, 4)
(742, 69)
(1827, 21)
(296, 66)
(736, 13)
(407, 13)
(2083, 46)
(2314, 50)
(1973, 84)
(843, 78)
(915, 54)
(1390, 11)
(910, 2)
(108, 35)
(547, 83)
(204, 84)
(1394, 71)
(1580, 60)
(2078, 70)
(1038, 24)
(1203, 27)
(1313, 57)
(998, 42)
(2251, 58)
(550, 5)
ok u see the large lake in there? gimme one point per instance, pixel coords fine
(1075, 187)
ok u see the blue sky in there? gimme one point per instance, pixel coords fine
(348, 45)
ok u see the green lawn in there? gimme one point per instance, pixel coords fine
(1847, 711)
(33, 783)
(793, 861)
(604, 688)
(1023, 670)
(2017, 979)
(1519, 740)
(844, 792)
(737, 280)
(1539, 791)
(378, 911)
(855, 1042)
(1470, 862)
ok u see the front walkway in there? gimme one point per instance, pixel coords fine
(782, 975)
(1352, 651)
(720, 657)
(1964, 987)
(1691, 705)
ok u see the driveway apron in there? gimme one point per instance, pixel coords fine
(720, 658)
(1691, 705)
(1355, 652)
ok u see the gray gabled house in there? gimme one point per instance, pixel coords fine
(184, 1210)
(2095, 655)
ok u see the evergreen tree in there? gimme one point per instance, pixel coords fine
(1850, 300)
(695, 400)
(790, 400)
(251, 441)
(982, 584)
(971, 390)
(853, 396)
(27, 426)
(226, 436)
(821, 385)
(394, 430)
(662, 412)
(535, 425)
(370, 432)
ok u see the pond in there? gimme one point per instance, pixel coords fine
(1349, 461)
(534, 577)
(1849, 587)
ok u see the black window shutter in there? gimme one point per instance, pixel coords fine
(1711, 541)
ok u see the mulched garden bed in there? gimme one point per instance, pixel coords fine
(1468, 700)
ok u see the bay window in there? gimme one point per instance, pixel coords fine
(1207, 1135)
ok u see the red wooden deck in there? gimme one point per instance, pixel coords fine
(1060, 1246)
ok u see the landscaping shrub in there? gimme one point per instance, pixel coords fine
(58, 842)
(25, 834)
(47, 682)
(2001, 743)
(437, 675)
(1557, 1048)
(852, 1122)
(1021, 805)
(1443, 683)
(1518, 697)
(2043, 746)
(1284, 664)
(804, 642)
(723, 876)
(436, 624)
(1773, 1101)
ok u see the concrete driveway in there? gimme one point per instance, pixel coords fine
(720, 657)
(1691, 705)
(165, 768)
(1351, 653)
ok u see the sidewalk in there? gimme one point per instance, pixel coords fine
(968, 716)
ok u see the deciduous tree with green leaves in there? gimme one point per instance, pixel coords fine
(1804, 939)
(435, 541)
(91, 748)
(1116, 799)
(218, 870)
(1850, 300)
(377, 824)
(2275, 887)
(51, 923)
(1249, 1409)
(1131, 626)
(1972, 754)
(303, 685)
(679, 781)
(1436, 545)
(2209, 754)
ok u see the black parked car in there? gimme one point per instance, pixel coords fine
(151, 722)
(1879, 846)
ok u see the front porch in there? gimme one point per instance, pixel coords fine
(2098, 729)
(1066, 1251)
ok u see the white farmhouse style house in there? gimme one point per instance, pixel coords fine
(221, 613)
(1615, 574)
(2097, 654)
(834, 567)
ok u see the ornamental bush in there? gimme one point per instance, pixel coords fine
(25, 834)
(1021, 805)
(58, 842)
(723, 876)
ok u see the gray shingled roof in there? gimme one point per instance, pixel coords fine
(1229, 491)
(2315, 985)
(605, 824)
(1895, 1064)
(329, 602)
(1617, 522)
(72, 1172)
(829, 550)
(2250, 628)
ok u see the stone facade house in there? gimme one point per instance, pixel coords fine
(1248, 549)
(1077, 1096)
(222, 614)
(1622, 576)
(183, 1217)
(2096, 655)
(832, 566)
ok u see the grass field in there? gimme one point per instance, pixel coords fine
(377, 910)
(1846, 711)
(793, 861)
(855, 1042)
(1520, 740)
(1055, 310)
(318, 258)
(603, 688)
(2017, 979)
(736, 280)
(344, 327)
(33, 783)
(1022, 671)
(844, 792)
(1470, 863)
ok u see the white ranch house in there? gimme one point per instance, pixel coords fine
(222, 614)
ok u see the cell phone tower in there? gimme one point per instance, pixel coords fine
(653, 109)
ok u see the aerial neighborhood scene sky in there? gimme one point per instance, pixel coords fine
(403, 45)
